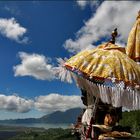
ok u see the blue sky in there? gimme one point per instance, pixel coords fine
(34, 34)
(48, 25)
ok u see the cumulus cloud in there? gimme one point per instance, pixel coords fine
(109, 15)
(15, 103)
(13, 30)
(48, 104)
(34, 65)
(55, 102)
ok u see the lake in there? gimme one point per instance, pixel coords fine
(40, 125)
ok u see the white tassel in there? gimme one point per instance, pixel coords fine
(61, 72)
(117, 95)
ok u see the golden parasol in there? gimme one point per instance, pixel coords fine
(133, 44)
(109, 73)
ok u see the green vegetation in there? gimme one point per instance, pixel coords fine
(132, 119)
(50, 134)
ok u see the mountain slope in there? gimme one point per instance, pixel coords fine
(68, 116)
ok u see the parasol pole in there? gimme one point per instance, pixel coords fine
(92, 120)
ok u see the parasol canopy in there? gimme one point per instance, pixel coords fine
(107, 72)
(106, 63)
(133, 44)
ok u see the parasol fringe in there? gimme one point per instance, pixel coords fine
(121, 97)
(117, 96)
(61, 72)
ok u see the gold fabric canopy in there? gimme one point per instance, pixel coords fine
(106, 62)
(108, 73)
(133, 44)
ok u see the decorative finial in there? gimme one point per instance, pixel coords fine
(138, 16)
(114, 34)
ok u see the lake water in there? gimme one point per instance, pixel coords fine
(41, 125)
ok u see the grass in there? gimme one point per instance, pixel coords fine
(50, 134)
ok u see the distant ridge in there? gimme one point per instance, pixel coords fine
(69, 116)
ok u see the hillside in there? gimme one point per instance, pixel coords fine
(68, 116)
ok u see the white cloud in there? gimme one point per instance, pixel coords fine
(13, 30)
(15, 103)
(55, 102)
(34, 65)
(84, 3)
(109, 15)
(48, 104)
